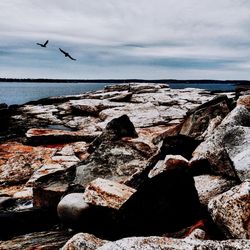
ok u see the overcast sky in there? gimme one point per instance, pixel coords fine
(148, 39)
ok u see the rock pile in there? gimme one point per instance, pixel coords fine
(138, 166)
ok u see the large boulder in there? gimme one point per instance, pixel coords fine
(106, 193)
(209, 186)
(113, 158)
(227, 148)
(200, 118)
(231, 211)
(94, 210)
(49, 189)
(164, 203)
(72, 208)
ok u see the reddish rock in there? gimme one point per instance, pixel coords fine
(20, 161)
(170, 161)
(106, 193)
(244, 101)
(49, 136)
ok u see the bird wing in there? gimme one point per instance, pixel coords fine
(63, 51)
(71, 57)
(39, 44)
(46, 43)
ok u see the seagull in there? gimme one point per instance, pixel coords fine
(67, 54)
(43, 45)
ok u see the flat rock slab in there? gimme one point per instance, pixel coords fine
(49, 136)
(38, 240)
(18, 161)
(106, 193)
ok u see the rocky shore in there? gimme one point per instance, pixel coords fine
(133, 166)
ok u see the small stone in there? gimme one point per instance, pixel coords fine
(72, 207)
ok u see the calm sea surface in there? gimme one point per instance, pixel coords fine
(22, 92)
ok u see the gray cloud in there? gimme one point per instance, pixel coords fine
(156, 39)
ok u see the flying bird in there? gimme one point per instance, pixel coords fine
(43, 45)
(67, 54)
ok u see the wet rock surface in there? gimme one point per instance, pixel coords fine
(130, 160)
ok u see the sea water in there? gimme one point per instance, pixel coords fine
(22, 92)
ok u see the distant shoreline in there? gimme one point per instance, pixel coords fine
(167, 81)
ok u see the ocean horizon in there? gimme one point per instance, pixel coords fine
(23, 92)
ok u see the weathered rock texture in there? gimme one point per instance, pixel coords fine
(39, 240)
(107, 193)
(227, 149)
(155, 243)
(153, 139)
(83, 241)
(231, 211)
(209, 186)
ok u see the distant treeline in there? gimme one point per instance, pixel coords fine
(201, 81)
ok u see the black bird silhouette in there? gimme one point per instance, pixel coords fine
(67, 54)
(43, 45)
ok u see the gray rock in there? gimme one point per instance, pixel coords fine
(199, 119)
(227, 149)
(197, 234)
(115, 161)
(209, 186)
(72, 207)
(156, 243)
(112, 158)
(231, 211)
(83, 241)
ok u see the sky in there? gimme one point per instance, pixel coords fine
(146, 39)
